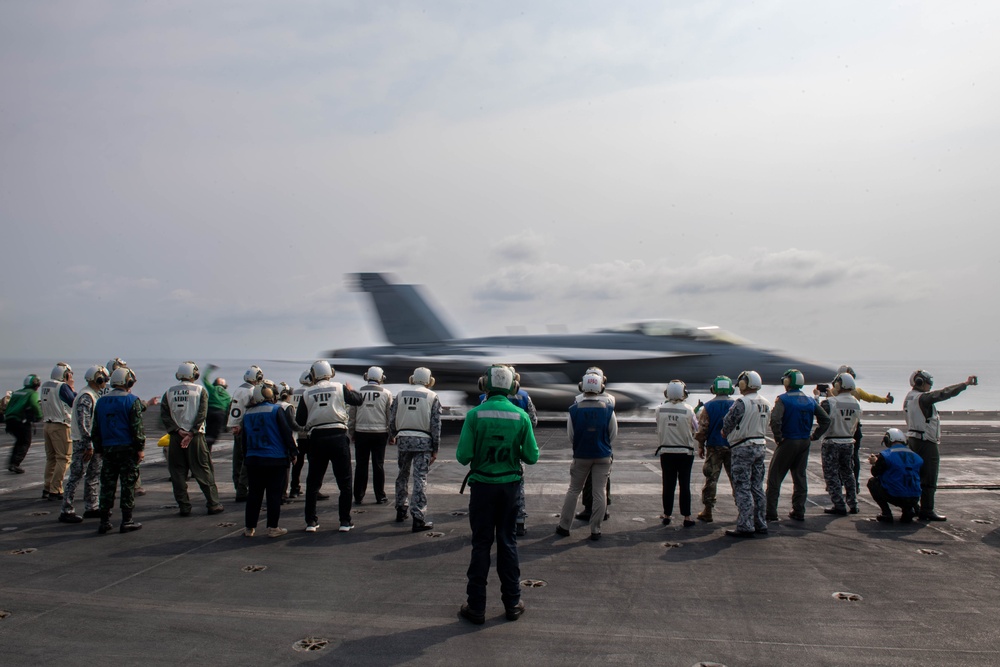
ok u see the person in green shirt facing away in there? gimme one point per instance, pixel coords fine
(218, 405)
(496, 438)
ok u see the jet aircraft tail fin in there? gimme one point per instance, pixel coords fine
(403, 311)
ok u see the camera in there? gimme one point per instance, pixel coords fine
(822, 389)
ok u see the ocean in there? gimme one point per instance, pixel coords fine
(876, 377)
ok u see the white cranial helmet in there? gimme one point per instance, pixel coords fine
(893, 436)
(751, 379)
(306, 379)
(422, 376)
(188, 370)
(61, 372)
(321, 370)
(676, 391)
(592, 383)
(375, 374)
(123, 377)
(254, 375)
(846, 382)
(96, 374)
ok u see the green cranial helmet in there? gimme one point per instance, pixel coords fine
(722, 386)
(793, 379)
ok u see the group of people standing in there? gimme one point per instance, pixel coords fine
(730, 433)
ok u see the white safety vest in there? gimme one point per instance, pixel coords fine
(674, 428)
(372, 416)
(413, 411)
(325, 404)
(74, 429)
(184, 399)
(54, 409)
(241, 398)
(604, 398)
(752, 429)
(845, 413)
(917, 425)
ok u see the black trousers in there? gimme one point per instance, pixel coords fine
(329, 447)
(676, 469)
(265, 478)
(303, 445)
(369, 446)
(21, 431)
(214, 423)
(882, 497)
(492, 515)
(928, 451)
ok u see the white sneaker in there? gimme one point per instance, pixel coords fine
(346, 527)
(248, 532)
(312, 527)
(277, 532)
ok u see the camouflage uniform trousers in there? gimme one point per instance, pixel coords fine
(421, 465)
(522, 513)
(838, 471)
(120, 464)
(716, 458)
(89, 472)
(748, 487)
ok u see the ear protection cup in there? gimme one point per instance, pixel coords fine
(130, 378)
(482, 382)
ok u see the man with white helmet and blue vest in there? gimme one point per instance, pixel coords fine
(923, 432)
(119, 436)
(415, 427)
(587, 494)
(184, 410)
(895, 478)
(322, 411)
(712, 445)
(241, 398)
(791, 423)
(592, 428)
(85, 464)
(745, 426)
(497, 437)
(368, 425)
(56, 397)
(838, 445)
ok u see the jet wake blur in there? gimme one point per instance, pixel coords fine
(652, 351)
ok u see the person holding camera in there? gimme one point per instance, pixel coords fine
(895, 477)
(923, 432)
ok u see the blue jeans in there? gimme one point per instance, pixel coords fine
(493, 513)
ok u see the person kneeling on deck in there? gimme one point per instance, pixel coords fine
(895, 477)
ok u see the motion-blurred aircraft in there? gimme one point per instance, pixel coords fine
(653, 351)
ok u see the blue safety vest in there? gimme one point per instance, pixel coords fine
(114, 414)
(262, 433)
(590, 429)
(901, 477)
(797, 420)
(717, 409)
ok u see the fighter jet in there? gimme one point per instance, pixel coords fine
(652, 351)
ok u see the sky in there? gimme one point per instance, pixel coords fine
(196, 179)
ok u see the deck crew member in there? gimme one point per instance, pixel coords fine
(895, 477)
(497, 437)
(676, 425)
(56, 397)
(22, 410)
(368, 425)
(119, 436)
(923, 432)
(184, 410)
(745, 426)
(415, 427)
(241, 397)
(838, 445)
(85, 464)
(218, 405)
(323, 413)
(791, 424)
(712, 445)
(268, 449)
(861, 395)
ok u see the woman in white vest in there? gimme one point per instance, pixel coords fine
(676, 425)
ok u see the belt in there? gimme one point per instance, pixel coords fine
(749, 441)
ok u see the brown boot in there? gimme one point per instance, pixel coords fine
(705, 515)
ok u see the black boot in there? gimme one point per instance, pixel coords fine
(419, 525)
(401, 513)
(128, 525)
(105, 526)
